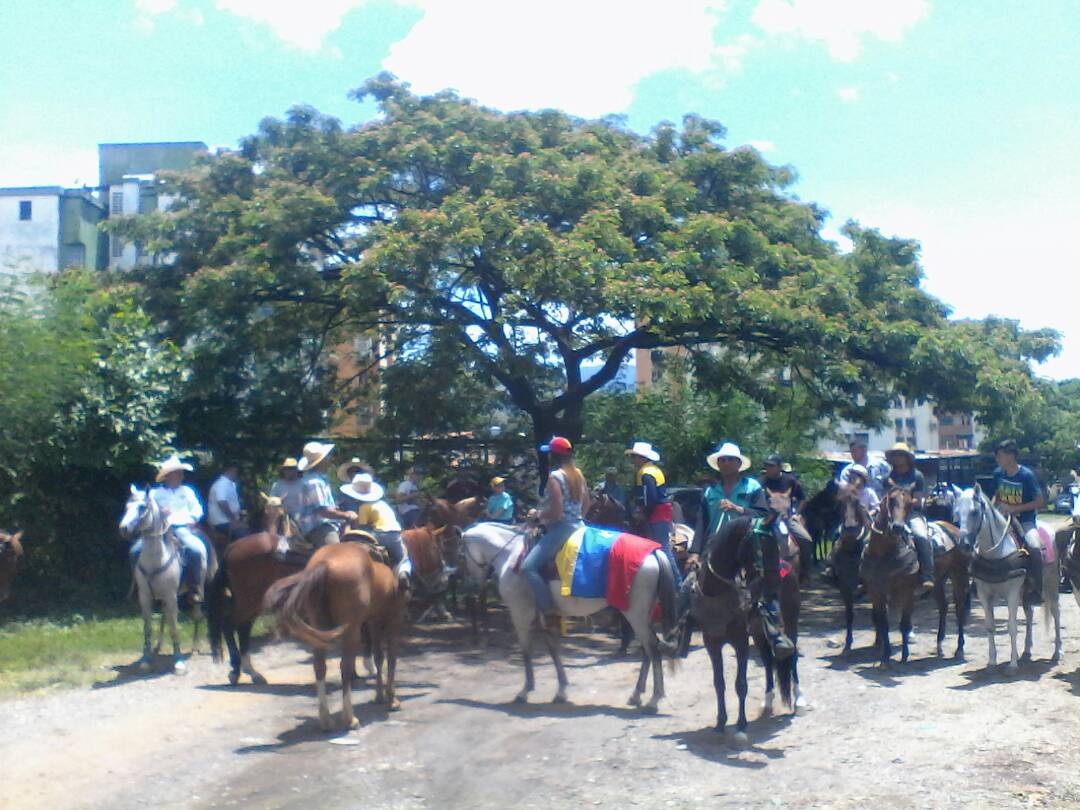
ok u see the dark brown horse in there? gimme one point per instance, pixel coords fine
(341, 592)
(890, 569)
(10, 552)
(722, 609)
(847, 553)
(821, 514)
(952, 565)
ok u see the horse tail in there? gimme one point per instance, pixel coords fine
(1051, 594)
(295, 599)
(666, 595)
(215, 610)
(784, 676)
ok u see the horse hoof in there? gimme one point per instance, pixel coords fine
(560, 697)
(1012, 668)
(740, 739)
(179, 668)
(521, 697)
(352, 724)
(324, 722)
(635, 699)
(1026, 657)
(395, 705)
(234, 678)
(1055, 658)
(801, 702)
(958, 655)
(650, 708)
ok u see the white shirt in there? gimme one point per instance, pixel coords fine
(290, 493)
(181, 503)
(223, 489)
(407, 487)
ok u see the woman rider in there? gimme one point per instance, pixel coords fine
(566, 499)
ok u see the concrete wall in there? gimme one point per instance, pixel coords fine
(82, 243)
(31, 245)
(118, 160)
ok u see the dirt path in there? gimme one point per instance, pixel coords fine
(936, 733)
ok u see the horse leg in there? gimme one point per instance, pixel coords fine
(1015, 591)
(986, 595)
(643, 675)
(560, 672)
(196, 621)
(742, 650)
(849, 619)
(319, 662)
(234, 643)
(716, 649)
(170, 609)
(522, 619)
(881, 624)
(369, 665)
(1029, 615)
(1052, 600)
(146, 604)
(767, 663)
(161, 631)
(349, 648)
(905, 631)
(245, 654)
(961, 601)
(379, 655)
(943, 613)
(800, 701)
(392, 641)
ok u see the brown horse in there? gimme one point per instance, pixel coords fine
(847, 555)
(890, 570)
(952, 565)
(340, 591)
(10, 552)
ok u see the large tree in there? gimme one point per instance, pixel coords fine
(548, 248)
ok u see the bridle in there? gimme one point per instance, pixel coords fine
(974, 536)
(488, 567)
(145, 533)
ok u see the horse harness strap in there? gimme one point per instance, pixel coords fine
(151, 576)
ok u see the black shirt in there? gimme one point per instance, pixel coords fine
(785, 482)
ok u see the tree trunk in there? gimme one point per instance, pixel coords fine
(546, 424)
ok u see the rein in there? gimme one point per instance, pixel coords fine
(982, 523)
(152, 575)
(488, 568)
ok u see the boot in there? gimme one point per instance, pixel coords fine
(782, 647)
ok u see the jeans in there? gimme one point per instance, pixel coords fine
(661, 533)
(192, 548)
(399, 555)
(920, 533)
(543, 552)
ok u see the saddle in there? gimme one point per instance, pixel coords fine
(373, 547)
(878, 569)
(294, 550)
(940, 540)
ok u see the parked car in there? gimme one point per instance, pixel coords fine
(1063, 503)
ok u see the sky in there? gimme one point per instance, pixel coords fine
(953, 122)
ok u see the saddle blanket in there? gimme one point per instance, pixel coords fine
(601, 564)
(940, 540)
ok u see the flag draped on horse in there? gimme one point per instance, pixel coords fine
(601, 564)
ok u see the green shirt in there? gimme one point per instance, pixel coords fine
(744, 494)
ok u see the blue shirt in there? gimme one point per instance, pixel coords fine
(500, 506)
(1020, 488)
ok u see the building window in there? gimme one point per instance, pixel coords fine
(26, 208)
(117, 206)
(117, 247)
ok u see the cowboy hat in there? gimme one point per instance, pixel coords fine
(498, 479)
(785, 467)
(859, 469)
(645, 450)
(900, 448)
(728, 450)
(314, 453)
(170, 465)
(364, 488)
(288, 464)
(353, 463)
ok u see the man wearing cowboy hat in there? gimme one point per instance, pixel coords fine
(288, 487)
(903, 473)
(345, 473)
(320, 519)
(651, 498)
(738, 495)
(185, 510)
(377, 516)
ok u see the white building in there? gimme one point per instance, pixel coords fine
(918, 423)
(30, 229)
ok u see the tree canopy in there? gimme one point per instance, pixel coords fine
(536, 251)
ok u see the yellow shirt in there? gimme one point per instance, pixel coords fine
(379, 516)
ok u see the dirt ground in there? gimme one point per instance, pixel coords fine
(932, 733)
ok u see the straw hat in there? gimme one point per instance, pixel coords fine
(364, 488)
(170, 465)
(498, 479)
(314, 453)
(900, 449)
(645, 450)
(343, 473)
(288, 464)
(728, 450)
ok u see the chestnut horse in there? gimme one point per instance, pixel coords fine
(341, 591)
(890, 569)
(10, 552)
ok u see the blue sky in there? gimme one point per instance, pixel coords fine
(951, 122)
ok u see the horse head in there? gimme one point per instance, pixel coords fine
(856, 518)
(275, 518)
(982, 526)
(606, 511)
(10, 552)
(139, 511)
(779, 502)
(896, 507)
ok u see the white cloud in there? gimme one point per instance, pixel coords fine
(35, 165)
(303, 25)
(840, 25)
(154, 6)
(575, 54)
(762, 146)
(150, 10)
(848, 94)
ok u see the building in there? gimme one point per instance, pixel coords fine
(918, 423)
(128, 184)
(49, 228)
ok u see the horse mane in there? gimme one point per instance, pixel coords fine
(723, 549)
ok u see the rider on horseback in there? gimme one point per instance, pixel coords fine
(736, 495)
(566, 499)
(185, 510)
(1017, 492)
(652, 499)
(378, 516)
(904, 474)
(320, 519)
(776, 479)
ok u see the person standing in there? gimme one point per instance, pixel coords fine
(289, 487)
(320, 519)
(223, 509)
(652, 500)
(500, 506)
(407, 497)
(1017, 492)
(181, 502)
(612, 488)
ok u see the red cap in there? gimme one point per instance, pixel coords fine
(557, 445)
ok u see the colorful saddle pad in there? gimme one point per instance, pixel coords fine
(601, 564)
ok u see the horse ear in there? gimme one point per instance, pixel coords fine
(134, 490)
(264, 496)
(17, 537)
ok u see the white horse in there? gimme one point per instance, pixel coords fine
(157, 573)
(987, 530)
(496, 548)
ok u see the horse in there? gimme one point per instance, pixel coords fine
(721, 608)
(999, 571)
(11, 551)
(430, 575)
(952, 565)
(249, 566)
(821, 515)
(498, 548)
(341, 591)
(847, 556)
(157, 574)
(889, 568)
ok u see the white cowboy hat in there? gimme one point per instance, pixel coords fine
(343, 470)
(364, 489)
(645, 450)
(314, 453)
(170, 465)
(728, 450)
(859, 469)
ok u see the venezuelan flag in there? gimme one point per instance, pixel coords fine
(582, 562)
